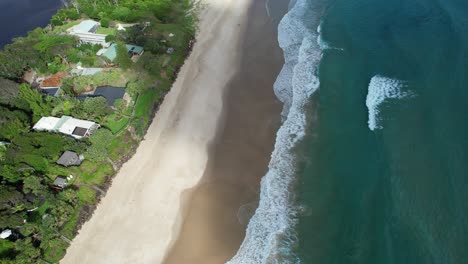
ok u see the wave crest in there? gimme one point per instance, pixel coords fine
(270, 236)
(380, 89)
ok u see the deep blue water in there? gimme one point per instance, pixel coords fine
(20, 16)
(371, 167)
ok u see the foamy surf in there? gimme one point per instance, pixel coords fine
(380, 89)
(270, 235)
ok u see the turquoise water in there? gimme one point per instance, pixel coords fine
(370, 164)
(398, 193)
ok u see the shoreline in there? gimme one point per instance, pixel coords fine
(145, 190)
(214, 217)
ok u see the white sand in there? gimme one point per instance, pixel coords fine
(136, 221)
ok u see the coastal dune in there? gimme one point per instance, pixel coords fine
(137, 220)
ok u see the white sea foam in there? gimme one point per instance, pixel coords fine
(270, 231)
(382, 88)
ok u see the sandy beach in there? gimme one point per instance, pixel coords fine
(212, 104)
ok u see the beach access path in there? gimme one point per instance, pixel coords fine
(139, 217)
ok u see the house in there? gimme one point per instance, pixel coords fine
(133, 52)
(60, 182)
(67, 125)
(4, 143)
(70, 158)
(86, 32)
(85, 71)
(86, 26)
(51, 85)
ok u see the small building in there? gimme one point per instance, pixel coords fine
(86, 31)
(133, 52)
(60, 182)
(86, 26)
(52, 84)
(5, 234)
(67, 125)
(85, 71)
(70, 158)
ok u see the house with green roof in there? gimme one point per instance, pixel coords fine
(133, 51)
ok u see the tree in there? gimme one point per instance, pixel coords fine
(95, 107)
(12, 128)
(8, 90)
(33, 185)
(123, 58)
(105, 22)
(56, 45)
(36, 102)
(135, 88)
(11, 173)
(110, 38)
(120, 105)
(27, 252)
(122, 13)
(29, 229)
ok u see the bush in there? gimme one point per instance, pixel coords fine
(110, 38)
(105, 22)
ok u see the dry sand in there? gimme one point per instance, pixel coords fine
(137, 219)
(218, 209)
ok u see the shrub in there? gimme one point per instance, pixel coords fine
(105, 22)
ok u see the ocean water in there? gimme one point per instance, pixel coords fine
(370, 164)
(17, 17)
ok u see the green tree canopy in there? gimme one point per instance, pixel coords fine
(123, 59)
(37, 103)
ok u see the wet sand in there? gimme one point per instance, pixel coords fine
(216, 212)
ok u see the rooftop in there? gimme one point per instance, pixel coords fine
(86, 71)
(85, 26)
(66, 125)
(111, 52)
(54, 80)
(60, 182)
(50, 91)
(69, 158)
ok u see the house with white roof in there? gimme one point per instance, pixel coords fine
(86, 31)
(67, 125)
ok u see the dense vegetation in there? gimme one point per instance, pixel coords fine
(44, 218)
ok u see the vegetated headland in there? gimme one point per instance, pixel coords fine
(76, 98)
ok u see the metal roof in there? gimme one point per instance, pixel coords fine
(69, 158)
(85, 26)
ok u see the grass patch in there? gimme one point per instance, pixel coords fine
(145, 104)
(106, 31)
(121, 146)
(94, 173)
(63, 28)
(86, 195)
(116, 123)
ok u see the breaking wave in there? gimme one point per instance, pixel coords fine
(382, 88)
(270, 232)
